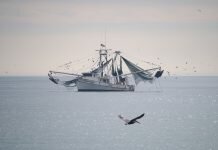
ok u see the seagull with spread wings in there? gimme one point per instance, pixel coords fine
(132, 121)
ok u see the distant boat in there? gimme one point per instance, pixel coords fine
(108, 75)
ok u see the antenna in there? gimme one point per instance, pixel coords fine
(105, 35)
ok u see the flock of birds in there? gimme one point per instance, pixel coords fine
(183, 68)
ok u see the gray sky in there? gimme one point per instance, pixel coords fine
(36, 36)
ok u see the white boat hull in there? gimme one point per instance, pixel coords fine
(88, 85)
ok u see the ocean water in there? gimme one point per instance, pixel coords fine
(180, 114)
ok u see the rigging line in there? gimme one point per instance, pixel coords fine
(65, 73)
(78, 61)
(95, 64)
(150, 63)
(84, 59)
(87, 67)
(110, 68)
(139, 71)
(70, 65)
(105, 42)
(88, 56)
(137, 67)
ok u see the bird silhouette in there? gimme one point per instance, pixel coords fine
(132, 121)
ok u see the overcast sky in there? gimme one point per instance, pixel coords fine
(36, 36)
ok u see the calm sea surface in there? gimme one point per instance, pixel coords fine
(181, 114)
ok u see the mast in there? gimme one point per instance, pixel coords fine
(116, 69)
(102, 57)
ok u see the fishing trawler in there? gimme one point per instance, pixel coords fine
(108, 75)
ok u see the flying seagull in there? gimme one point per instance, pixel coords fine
(128, 122)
